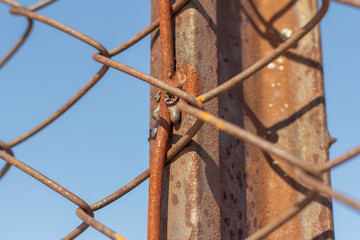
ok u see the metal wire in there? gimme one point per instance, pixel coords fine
(308, 176)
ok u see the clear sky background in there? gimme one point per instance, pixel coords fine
(101, 143)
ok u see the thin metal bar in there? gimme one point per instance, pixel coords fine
(165, 127)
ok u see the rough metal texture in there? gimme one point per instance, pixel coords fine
(191, 206)
(222, 187)
(284, 103)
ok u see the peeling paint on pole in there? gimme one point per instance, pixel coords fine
(218, 187)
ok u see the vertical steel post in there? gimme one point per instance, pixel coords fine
(219, 187)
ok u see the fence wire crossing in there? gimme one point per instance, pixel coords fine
(310, 177)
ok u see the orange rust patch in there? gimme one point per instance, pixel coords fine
(192, 83)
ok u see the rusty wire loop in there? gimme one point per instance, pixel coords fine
(308, 176)
(20, 42)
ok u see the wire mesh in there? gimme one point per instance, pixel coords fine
(190, 104)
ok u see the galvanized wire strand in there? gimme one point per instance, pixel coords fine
(299, 34)
(353, 3)
(284, 217)
(143, 33)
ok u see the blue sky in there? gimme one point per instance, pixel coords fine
(91, 150)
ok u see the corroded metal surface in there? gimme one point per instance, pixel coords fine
(284, 103)
(235, 189)
(269, 174)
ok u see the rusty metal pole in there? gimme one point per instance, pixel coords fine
(164, 123)
(218, 187)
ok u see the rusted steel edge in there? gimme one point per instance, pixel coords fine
(266, 60)
(165, 127)
(310, 180)
(354, 3)
(284, 217)
(173, 151)
(146, 78)
(340, 160)
(98, 226)
(154, 25)
(18, 44)
(72, 32)
(48, 182)
(7, 149)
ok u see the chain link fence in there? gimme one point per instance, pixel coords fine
(189, 104)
